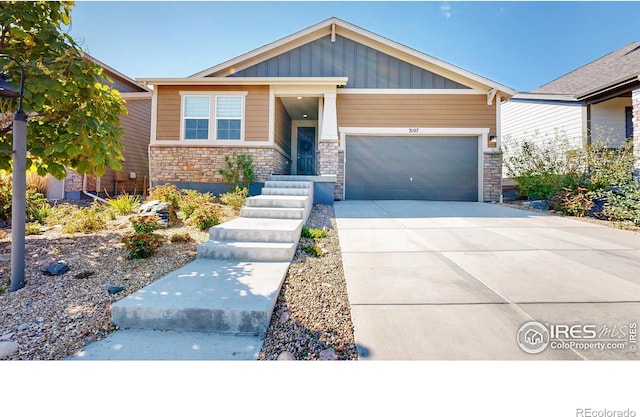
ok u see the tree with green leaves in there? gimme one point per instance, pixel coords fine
(74, 114)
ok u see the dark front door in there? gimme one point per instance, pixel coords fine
(306, 150)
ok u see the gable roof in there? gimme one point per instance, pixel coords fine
(334, 26)
(612, 69)
(121, 82)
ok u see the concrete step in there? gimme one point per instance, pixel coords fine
(154, 345)
(286, 191)
(247, 251)
(246, 229)
(280, 201)
(207, 295)
(288, 184)
(273, 213)
(297, 178)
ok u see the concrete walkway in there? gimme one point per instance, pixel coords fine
(450, 280)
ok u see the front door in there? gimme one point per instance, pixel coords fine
(306, 150)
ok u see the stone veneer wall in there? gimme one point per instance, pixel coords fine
(339, 187)
(492, 176)
(73, 182)
(201, 163)
(635, 100)
(281, 163)
(328, 163)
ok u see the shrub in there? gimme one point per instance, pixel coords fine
(181, 238)
(575, 202)
(124, 203)
(235, 199)
(315, 234)
(32, 228)
(192, 199)
(609, 167)
(38, 213)
(142, 245)
(37, 183)
(619, 204)
(145, 224)
(84, 220)
(205, 216)
(238, 170)
(5, 196)
(167, 193)
(313, 250)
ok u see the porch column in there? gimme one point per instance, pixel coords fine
(328, 146)
(635, 100)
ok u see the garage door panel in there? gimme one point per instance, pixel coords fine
(423, 168)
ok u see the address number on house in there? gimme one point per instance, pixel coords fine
(414, 130)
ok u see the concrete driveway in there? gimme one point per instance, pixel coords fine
(449, 280)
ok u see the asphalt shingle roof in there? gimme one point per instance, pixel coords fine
(624, 62)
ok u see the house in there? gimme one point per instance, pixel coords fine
(134, 176)
(600, 100)
(362, 116)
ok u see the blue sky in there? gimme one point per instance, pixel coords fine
(520, 44)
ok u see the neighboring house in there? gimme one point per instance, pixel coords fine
(600, 100)
(361, 115)
(134, 176)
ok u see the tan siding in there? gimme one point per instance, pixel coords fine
(256, 122)
(136, 125)
(396, 110)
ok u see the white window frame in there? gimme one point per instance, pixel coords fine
(216, 118)
(213, 119)
(183, 117)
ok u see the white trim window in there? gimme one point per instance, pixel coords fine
(213, 116)
(229, 110)
(196, 117)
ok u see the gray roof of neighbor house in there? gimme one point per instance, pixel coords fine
(615, 67)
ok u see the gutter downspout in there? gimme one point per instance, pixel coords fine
(85, 192)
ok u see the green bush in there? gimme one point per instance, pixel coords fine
(192, 199)
(142, 245)
(315, 234)
(77, 219)
(619, 204)
(32, 228)
(124, 203)
(238, 170)
(145, 224)
(167, 193)
(235, 199)
(313, 250)
(205, 216)
(5, 196)
(60, 214)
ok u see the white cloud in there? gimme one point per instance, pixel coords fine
(446, 10)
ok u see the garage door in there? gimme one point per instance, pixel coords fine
(411, 168)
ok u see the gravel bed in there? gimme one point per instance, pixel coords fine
(52, 317)
(312, 317)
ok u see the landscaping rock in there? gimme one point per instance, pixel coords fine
(113, 289)
(83, 274)
(158, 208)
(6, 336)
(286, 356)
(328, 355)
(56, 269)
(8, 348)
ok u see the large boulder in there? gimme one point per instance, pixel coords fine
(164, 211)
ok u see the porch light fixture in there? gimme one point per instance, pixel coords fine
(304, 116)
(299, 98)
(493, 141)
(19, 178)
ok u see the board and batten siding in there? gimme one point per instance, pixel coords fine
(256, 115)
(282, 131)
(416, 110)
(136, 125)
(542, 121)
(608, 121)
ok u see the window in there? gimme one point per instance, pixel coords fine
(213, 115)
(228, 117)
(628, 116)
(196, 117)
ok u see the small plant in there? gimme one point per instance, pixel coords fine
(142, 245)
(124, 203)
(315, 234)
(84, 220)
(192, 199)
(575, 202)
(167, 193)
(619, 204)
(60, 214)
(235, 199)
(238, 170)
(313, 250)
(32, 228)
(39, 213)
(205, 216)
(145, 224)
(181, 238)
(37, 183)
